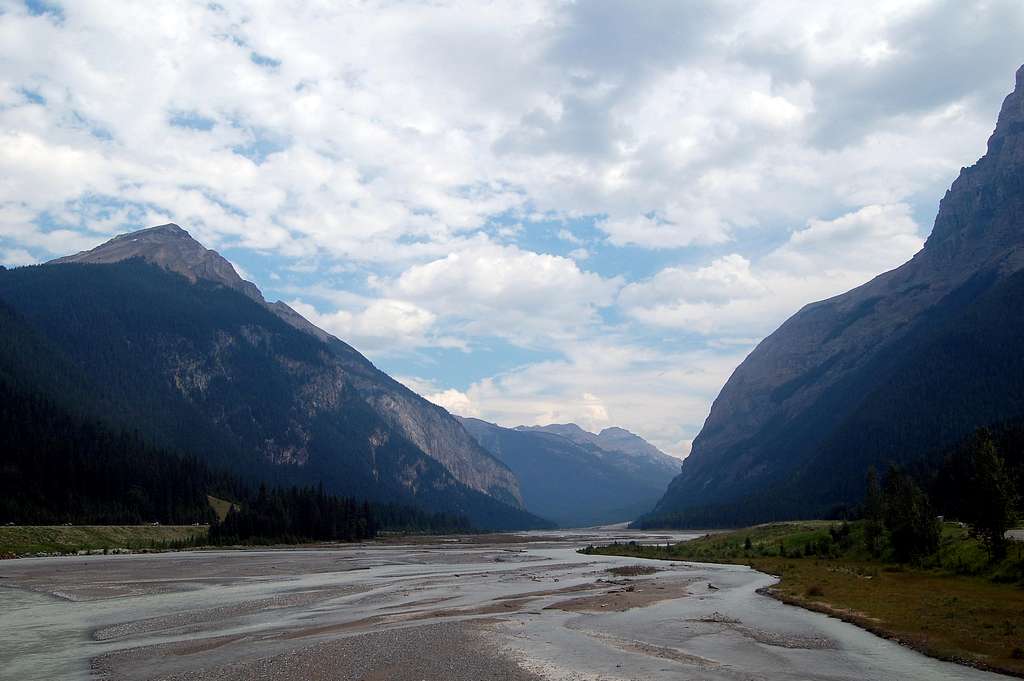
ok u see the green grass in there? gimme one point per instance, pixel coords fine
(25, 539)
(219, 506)
(956, 605)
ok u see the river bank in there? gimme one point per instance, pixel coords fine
(958, 606)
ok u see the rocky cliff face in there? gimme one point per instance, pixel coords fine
(339, 372)
(780, 414)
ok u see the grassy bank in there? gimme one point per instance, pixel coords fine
(27, 540)
(956, 605)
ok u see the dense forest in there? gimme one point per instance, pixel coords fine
(56, 468)
(295, 515)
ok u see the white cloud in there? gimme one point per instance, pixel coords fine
(566, 235)
(381, 324)
(702, 226)
(455, 401)
(485, 290)
(733, 297)
(14, 257)
(507, 292)
(870, 240)
(386, 142)
(726, 278)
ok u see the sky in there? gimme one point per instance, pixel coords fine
(527, 211)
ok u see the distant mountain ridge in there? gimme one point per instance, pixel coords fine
(171, 340)
(570, 479)
(902, 366)
(613, 439)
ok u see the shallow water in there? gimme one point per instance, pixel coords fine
(185, 613)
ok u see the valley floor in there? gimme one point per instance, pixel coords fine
(449, 608)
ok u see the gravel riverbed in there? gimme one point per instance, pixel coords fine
(451, 609)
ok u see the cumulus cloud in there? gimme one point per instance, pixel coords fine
(379, 325)
(732, 296)
(455, 401)
(16, 256)
(869, 240)
(567, 235)
(485, 290)
(507, 292)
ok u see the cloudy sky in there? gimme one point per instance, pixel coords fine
(528, 211)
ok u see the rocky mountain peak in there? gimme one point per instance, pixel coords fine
(169, 229)
(1016, 98)
(1011, 115)
(172, 248)
(980, 218)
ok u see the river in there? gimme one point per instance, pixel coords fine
(518, 608)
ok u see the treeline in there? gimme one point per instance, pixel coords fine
(393, 517)
(976, 483)
(296, 515)
(293, 516)
(56, 468)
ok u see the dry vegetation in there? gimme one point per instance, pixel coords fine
(632, 570)
(23, 540)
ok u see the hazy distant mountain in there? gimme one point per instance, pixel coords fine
(573, 481)
(890, 371)
(614, 439)
(163, 336)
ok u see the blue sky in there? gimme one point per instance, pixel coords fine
(529, 212)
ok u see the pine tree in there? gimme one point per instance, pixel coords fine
(909, 518)
(990, 495)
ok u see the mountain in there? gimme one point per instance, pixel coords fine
(575, 482)
(892, 371)
(616, 440)
(170, 247)
(154, 333)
